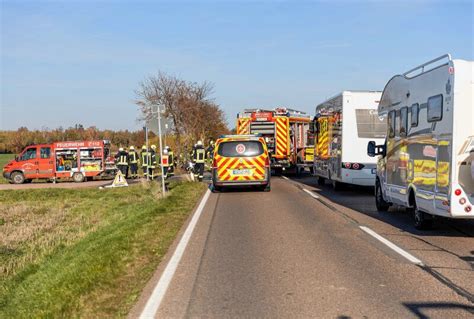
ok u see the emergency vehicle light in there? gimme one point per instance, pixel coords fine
(457, 192)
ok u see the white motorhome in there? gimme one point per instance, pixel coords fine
(426, 161)
(344, 124)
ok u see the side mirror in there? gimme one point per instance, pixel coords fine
(371, 147)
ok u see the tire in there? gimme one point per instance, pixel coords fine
(380, 203)
(216, 189)
(337, 186)
(321, 181)
(78, 177)
(278, 171)
(17, 178)
(267, 187)
(422, 220)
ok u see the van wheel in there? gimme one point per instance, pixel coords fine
(17, 178)
(321, 181)
(380, 203)
(423, 220)
(267, 188)
(216, 189)
(78, 177)
(337, 186)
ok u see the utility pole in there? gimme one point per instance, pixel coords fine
(161, 151)
(146, 143)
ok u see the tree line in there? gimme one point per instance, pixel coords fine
(15, 141)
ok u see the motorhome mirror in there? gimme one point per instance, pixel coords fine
(371, 146)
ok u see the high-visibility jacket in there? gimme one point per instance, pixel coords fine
(199, 155)
(165, 160)
(153, 159)
(145, 156)
(122, 158)
(133, 157)
(171, 158)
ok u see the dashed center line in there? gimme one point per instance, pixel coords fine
(311, 193)
(392, 246)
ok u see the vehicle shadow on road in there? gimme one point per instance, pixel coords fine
(361, 199)
(418, 309)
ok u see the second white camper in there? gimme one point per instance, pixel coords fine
(344, 125)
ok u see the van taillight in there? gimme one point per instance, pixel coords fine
(267, 162)
(214, 163)
(457, 192)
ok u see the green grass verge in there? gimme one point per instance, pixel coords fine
(4, 159)
(85, 252)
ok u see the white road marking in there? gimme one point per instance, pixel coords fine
(153, 303)
(311, 193)
(284, 177)
(392, 246)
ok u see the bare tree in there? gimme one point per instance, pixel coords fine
(187, 104)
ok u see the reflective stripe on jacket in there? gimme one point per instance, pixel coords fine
(133, 157)
(199, 155)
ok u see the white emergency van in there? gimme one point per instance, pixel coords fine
(426, 160)
(343, 125)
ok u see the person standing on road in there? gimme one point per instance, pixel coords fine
(199, 157)
(165, 162)
(145, 159)
(152, 162)
(121, 159)
(210, 153)
(171, 161)
(133, 162)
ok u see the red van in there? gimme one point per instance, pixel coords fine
(79, 160)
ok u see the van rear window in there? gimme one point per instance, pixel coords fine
(240, 149)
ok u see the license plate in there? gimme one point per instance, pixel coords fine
(241, 172)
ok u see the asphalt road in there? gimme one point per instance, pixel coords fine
(288, 254)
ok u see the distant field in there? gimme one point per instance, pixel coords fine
(4, 159)
(85, 252)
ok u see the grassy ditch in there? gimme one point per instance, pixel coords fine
(84, 252)
(4, 159)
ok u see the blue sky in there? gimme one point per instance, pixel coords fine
(66, 62)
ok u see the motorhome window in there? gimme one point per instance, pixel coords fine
(415, 108)
(45, 152)
(391, 124)
(403, 121)
(435, 108)
(397, 123)
(369, 124)
(28, 154)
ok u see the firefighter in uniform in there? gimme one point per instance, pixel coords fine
(145, 157)
(210, 153)
(152, 162)
(165, 162)
(121, 159)
(133, 162)
(199, 157)
(171, 161)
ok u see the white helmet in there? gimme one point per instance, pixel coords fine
(167, 147)
(199, 143)
(121, 149)
(132, 148)
(165, 151)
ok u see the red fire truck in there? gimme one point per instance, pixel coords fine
(286, 132)
(79, 160)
